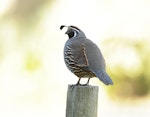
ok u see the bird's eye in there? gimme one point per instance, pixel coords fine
(72, 34)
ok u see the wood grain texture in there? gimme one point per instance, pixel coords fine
(82, 101)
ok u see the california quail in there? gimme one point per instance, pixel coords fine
(83, 57)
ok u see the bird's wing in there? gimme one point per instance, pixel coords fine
(94, 55)
(80, 57)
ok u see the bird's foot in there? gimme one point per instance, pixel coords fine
(74, 85)
(78, 84)
(85, 84)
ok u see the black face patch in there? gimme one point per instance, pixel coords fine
(71, 34)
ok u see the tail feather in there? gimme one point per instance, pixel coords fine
(103, 76)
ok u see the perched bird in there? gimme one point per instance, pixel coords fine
(83, 57)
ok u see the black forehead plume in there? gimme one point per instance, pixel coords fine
(62, 26)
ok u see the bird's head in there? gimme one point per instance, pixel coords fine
(73, 31)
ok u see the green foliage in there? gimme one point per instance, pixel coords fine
(134, 81)
(32, 62)
(26, 15)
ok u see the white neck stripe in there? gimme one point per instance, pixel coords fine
(75, 33)
(75, 29)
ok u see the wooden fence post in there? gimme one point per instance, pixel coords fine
(82, 101)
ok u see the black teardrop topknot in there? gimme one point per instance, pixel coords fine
(62, 26)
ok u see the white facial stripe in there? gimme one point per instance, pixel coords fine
(75, 34)
(75, 29)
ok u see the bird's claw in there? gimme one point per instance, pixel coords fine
(78, 84)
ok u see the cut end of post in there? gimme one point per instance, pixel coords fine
(82, 101)
(88, 87)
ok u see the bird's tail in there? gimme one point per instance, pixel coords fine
(103, 76)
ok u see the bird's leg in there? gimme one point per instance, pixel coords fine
(77, 84)
(87, 82)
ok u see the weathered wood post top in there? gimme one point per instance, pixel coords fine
(82, 101)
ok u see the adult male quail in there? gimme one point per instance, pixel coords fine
(83, 57)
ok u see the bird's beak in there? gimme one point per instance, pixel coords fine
(68, 30)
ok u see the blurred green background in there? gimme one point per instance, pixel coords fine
(33, 76)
